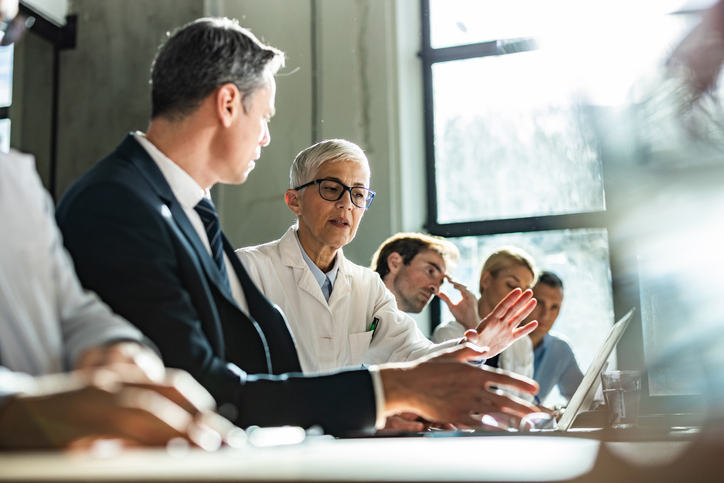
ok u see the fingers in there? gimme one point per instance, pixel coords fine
(499, 401)
(524, 312)
(400, 424)
(442, 296)
(523, 304)
(460, 287)
(500, 310)
(122, 353)
(525, 330)
(190, 390)
(500, 378)
(180, 388)
(92, 357)
(147, 417)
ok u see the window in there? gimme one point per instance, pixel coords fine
(6, 93)
(516, 95)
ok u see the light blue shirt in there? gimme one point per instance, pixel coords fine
(555, 364)
(319, 275)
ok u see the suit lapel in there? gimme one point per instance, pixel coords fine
(276, 345)
(137, 155)
(269, 318)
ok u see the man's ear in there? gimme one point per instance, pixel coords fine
(228, 103)
(394, 262)
(293, 198)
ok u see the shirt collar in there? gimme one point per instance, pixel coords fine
(186, 190)
(540, 349)
(319, 276)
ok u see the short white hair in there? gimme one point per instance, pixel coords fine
(308, 161)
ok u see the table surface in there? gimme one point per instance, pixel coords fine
(481, 458)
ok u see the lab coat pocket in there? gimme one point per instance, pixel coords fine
(359, 344)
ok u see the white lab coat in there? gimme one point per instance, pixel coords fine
(337, 334)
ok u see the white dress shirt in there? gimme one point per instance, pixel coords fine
(319, 276)
(188, 192)
(46, 318)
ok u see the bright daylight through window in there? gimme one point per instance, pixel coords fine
(514, 93)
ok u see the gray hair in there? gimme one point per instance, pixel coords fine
(203, 55)
(308, 161)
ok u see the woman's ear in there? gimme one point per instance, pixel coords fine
(293, 199)
(485, 279)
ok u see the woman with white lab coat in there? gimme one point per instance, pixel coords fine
(341, 314)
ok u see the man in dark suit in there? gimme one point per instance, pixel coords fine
(145, 236)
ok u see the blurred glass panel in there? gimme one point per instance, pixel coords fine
(6, 75)
(4, 135)
(512, 140)
(460, 22)
(579, 257)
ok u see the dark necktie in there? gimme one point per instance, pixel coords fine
(208, 215)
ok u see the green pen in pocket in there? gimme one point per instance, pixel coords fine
(375, 325)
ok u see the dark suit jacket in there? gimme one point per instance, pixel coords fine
(133, 245)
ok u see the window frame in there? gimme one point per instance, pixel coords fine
(624, 280)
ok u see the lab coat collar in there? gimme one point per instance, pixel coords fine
(290, 255)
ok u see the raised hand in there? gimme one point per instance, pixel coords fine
(465, 311)
(500, 328)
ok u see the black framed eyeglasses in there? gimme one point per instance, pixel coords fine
(332, 190)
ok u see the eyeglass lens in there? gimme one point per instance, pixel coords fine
(333, 191)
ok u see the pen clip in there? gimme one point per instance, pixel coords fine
(375, 325)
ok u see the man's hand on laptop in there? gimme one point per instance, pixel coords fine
(444, 388)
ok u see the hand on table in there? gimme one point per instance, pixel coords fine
(116, 401)
(123, 352)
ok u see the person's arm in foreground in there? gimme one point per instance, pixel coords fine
(115, 401)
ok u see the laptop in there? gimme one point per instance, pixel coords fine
(583, 397)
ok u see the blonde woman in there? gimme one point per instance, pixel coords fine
(505, 270)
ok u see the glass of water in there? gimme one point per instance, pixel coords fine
(622, 390)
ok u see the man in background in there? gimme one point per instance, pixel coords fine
(554, 362)
(413, 266)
